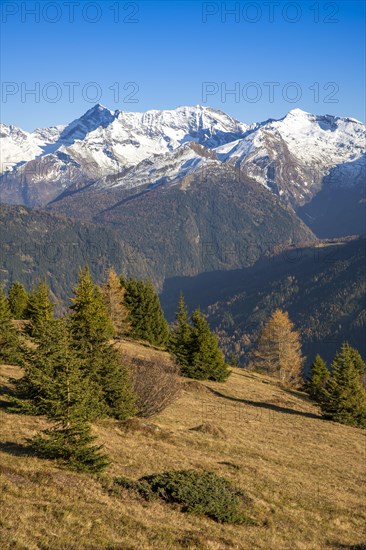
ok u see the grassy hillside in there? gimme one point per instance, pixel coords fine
(304, 475)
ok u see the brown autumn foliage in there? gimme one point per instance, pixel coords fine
(113, 294)
(156, 384)
(278, 351)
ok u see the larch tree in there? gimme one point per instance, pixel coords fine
(114, 299)
(278, 351)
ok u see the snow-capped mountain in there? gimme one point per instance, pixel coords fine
(103, 143)
(16, 146)
(102, 149)
(292, 156)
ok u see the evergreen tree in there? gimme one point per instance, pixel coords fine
(18, 300)
(41, 363)
(317, 378)
(206, 359)
(114, 379)
(91, 329)
(114, 296)
(146, 315)
(278, 351)
(68, 402)
(181, 337)
(10, 349)
(233, 360)
(343, 398)
(40, 310)
(90, 323)
(357, 360)
(41, 367)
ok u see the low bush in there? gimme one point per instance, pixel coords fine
(155, 383)
(203, 493)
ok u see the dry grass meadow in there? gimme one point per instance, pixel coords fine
(305, 476)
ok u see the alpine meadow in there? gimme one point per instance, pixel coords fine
(183, 275)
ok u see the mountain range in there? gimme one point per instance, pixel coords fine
(192, 189)
(103, 150)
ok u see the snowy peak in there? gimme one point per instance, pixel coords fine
(297, 113)
(17, 147)
(293, 155)
(96, 117)
(290, 156)
(183, 124)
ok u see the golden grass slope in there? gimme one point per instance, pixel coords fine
(305, 475)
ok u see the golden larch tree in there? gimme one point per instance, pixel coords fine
(114, 294)
(278, 351)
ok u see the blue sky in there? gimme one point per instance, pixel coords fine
(274, 56)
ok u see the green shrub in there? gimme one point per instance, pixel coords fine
(203, 493)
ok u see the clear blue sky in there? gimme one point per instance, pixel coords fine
(169, 50)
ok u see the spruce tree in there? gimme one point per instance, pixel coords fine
(343, 398)
(357, 360)
(90, 323)
(206, 359)
(18, 300)
(91, 329)
(40, 362)
(146, 315)
(40, 310)
(41, 367)
(114, 379)
(233, 360)
(278, 350)
(10, 349)
(68, 403)
(114, 297)
(180, 342)
(317, 378)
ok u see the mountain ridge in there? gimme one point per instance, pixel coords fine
(291, 156)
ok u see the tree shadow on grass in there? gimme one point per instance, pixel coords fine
(263, 405)
(16, 449)
(361, 546)
(300, 394)
(4, 404)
